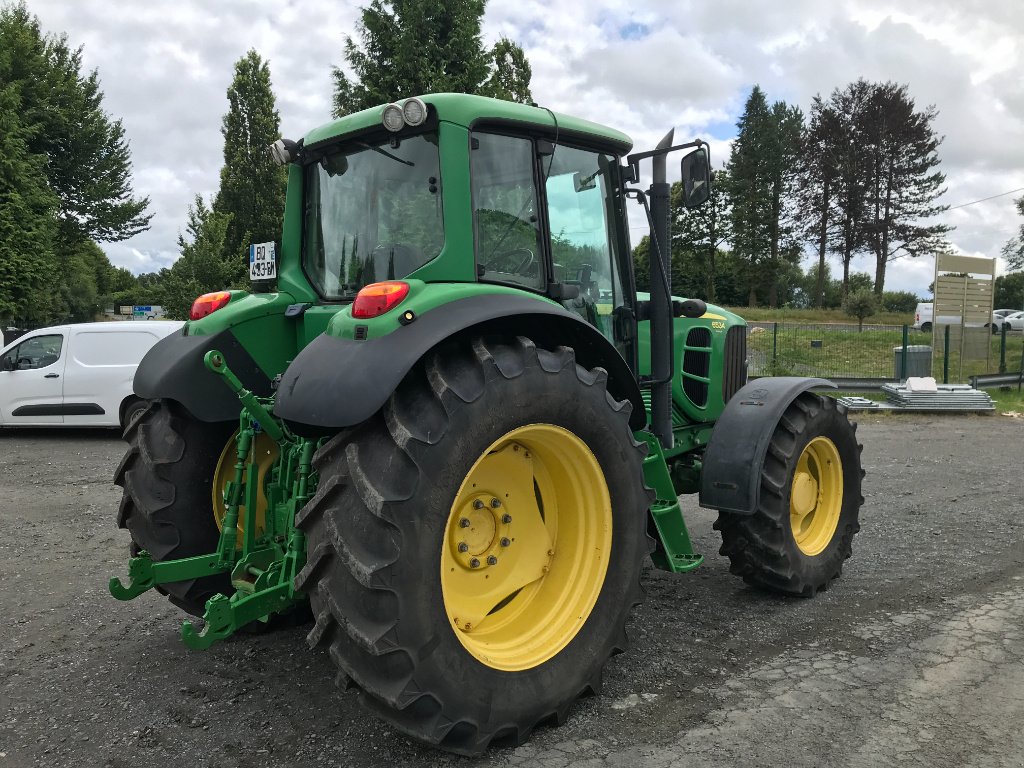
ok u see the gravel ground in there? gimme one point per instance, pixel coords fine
(915, 657)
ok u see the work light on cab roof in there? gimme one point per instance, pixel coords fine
(411, 112)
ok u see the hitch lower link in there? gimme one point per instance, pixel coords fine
(262, 564)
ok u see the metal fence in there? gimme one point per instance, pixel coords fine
(877, 353)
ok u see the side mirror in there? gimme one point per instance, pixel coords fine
(583, 183)
(7, 364)
(696, 172)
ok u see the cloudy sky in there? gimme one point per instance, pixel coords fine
(642, 67)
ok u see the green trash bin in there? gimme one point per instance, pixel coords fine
(919, 361)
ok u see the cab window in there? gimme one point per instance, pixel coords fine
(37, 352)
(506, 225)
(579, 192)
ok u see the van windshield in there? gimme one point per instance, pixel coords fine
(372, 213)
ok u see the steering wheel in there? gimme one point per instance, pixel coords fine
(527, 259)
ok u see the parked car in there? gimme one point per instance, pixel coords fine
(923, 319)
(1014, 322)
(76, 375)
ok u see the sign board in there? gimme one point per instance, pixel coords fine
(262, 261)
(125, 309)
(147, 312)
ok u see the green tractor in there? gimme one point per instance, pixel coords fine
(446, 422)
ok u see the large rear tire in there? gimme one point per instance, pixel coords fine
(802, 531)
(475, 547)
(166, 474)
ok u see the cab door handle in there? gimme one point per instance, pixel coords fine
(52, 376)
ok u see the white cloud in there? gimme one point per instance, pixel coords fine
(641, 68)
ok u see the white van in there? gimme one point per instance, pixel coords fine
(76, 375)
(923, 319)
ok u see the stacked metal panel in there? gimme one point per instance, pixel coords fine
(948, 397)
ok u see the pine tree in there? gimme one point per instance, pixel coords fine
(901, 148)
(412, 47)
(252, 186)
(762, 169)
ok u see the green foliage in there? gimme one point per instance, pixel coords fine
(899, 301)
(65, 181)
(1009, 291)
(860, 303)
(510, 73)
(869, 176)
(28, 223)
(411, 47)
(762, 174)
(205, 264)
(697, 236)
(1013, 251)
(252, 186)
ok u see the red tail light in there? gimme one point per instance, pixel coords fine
(377, 298)
(207, 303)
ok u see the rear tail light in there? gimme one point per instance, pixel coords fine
(377, 298)
(207, 303)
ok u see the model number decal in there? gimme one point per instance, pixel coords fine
(718, 325)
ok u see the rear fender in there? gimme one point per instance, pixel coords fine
(335, 383)
(173, 369)
(731, 474)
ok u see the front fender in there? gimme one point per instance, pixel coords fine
(335, 383)
(731, 474)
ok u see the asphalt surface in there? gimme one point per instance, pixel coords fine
(914, 657)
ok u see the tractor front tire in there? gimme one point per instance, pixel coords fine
(166, 475)
(475, 547)
(802, 531)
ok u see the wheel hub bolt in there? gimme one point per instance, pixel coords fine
(505, 541)
(495, 503)
(474, 563)
(463, 546)
(477, 504)
(492, 560)
(464, 522)
(506, 518)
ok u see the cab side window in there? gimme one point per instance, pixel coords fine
(37, 352)
(579, 195)
(507, 228)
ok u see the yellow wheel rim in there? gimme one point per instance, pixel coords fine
(816, 496)
(265, 453)
(526, 547)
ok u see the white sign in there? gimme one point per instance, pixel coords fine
(262, 262)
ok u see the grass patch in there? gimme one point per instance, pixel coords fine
(784, 315)
(1007, 401)
(823, 351)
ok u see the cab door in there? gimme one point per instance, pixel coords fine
(31, 380)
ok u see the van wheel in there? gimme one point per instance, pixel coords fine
(926, 327)
(131, 410)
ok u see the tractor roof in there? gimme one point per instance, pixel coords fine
(465, 110)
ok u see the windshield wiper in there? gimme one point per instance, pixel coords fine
(386, 154)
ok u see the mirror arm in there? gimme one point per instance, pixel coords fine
(633, 160)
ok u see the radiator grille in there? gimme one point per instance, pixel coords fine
(734, 368)
(697, 363)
